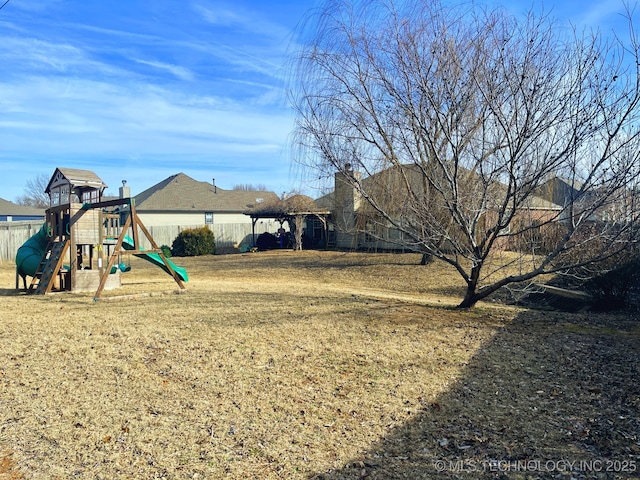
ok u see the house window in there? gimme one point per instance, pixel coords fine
(208, 218)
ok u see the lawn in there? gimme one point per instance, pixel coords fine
(311, 365)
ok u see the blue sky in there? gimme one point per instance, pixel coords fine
(143, 89)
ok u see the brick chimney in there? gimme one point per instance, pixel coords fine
(346, 203)
(124, 191)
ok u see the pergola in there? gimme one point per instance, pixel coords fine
(293, 210)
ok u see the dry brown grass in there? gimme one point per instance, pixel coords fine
(303, 365)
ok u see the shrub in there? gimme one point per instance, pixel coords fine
(192, 242)
(611, 290)
(166, 250)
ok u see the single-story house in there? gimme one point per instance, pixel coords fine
(180, 202)
(11, 212)
(354, 224)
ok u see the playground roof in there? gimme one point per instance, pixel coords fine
(181, 193)
(78, 178)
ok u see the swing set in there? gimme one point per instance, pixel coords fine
(81, 245)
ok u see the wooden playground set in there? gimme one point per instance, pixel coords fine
(81, 244)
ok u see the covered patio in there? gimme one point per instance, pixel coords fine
(302, 215)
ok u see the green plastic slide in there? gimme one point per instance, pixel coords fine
(127, 244)
(29, 255)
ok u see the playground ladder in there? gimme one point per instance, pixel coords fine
(49, 267)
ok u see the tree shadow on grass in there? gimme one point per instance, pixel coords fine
(550, 396)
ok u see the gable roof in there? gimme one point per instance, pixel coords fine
(9, 208)
(181, 193)
(78, 178)
(559, 190)
(325, 201)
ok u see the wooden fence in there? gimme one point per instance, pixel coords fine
(228, 236)
(14, 234)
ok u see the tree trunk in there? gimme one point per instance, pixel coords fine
(426, 259)
(470, 298)
(299, 222)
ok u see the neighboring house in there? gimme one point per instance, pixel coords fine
(355, 225)
(180, 202)
(10, 212)
(562, 192)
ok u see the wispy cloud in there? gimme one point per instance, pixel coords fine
(34, 54)
(220, 16)
(135, 118)
(99, 126)
(143, 90)
(258, 43)
(36, 5)
(604, 12)
(176, 70)
(115, 33)
(234, 16)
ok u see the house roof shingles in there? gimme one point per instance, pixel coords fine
(9, 208)
(539, 201)
(294, 205)
(181, 193)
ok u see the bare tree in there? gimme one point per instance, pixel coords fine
(34, 193)
(298, 208)
(248, 187)
(459, 119)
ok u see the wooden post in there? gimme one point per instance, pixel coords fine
(73, 247)
(134, 224)
(154, 245)
(101, 243)
(253, 231)
(112, 259)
